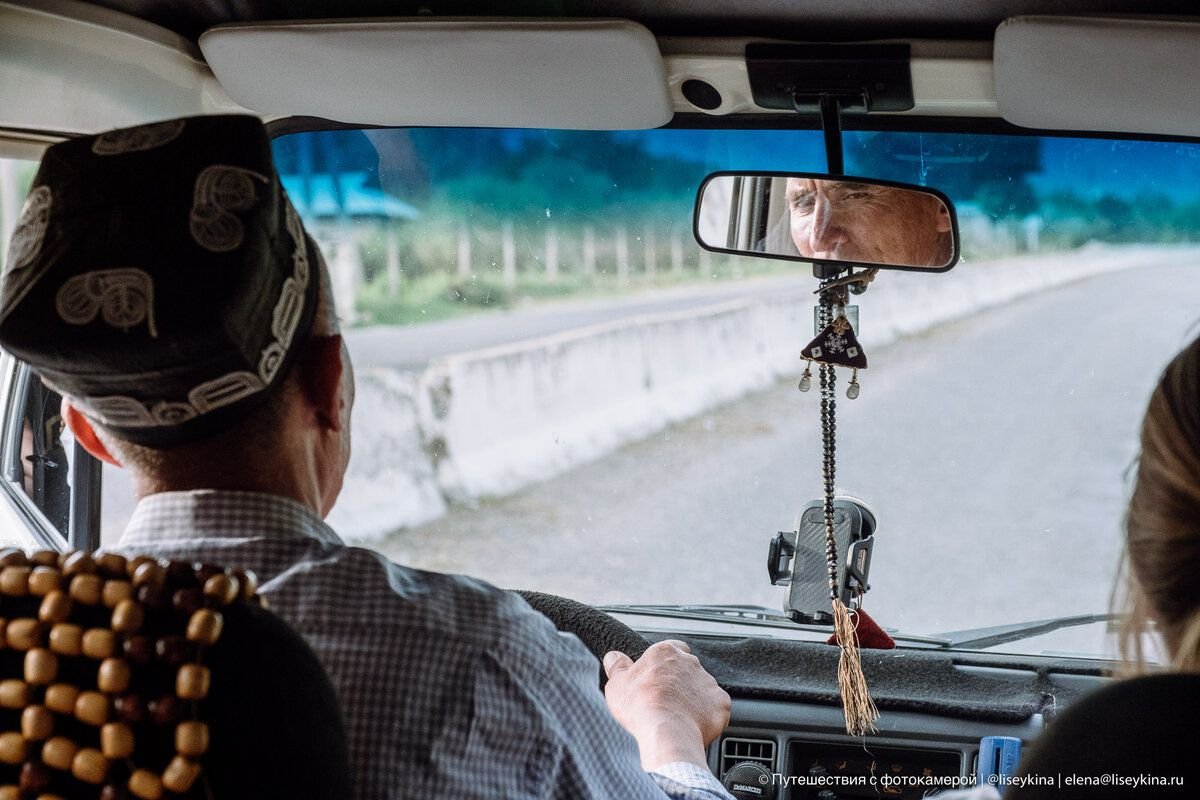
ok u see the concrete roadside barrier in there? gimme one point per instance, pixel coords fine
(490, 422)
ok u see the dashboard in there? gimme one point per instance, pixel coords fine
(787, 739)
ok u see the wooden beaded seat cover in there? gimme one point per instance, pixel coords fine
(137, 678)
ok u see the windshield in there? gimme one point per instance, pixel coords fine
(558, 390)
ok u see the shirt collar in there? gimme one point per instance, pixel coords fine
(217, 514)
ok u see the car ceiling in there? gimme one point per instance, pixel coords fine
(814, 20)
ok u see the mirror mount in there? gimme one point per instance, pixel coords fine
(827, 79)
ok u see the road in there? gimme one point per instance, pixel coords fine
(412, 347)
(995, 452)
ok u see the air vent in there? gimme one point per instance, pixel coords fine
(735, 751)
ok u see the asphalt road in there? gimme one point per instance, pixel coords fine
(995, 452)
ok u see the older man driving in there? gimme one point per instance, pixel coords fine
(868, 223)
(161, 281)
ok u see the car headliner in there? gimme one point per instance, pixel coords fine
(815, 20)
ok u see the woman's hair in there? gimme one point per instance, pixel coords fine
(1161, 562)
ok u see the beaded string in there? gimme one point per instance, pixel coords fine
(72, 592)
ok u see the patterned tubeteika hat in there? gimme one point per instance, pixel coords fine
(160, 277)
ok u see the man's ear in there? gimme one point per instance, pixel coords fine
(323, 365)
(943, 218)
(81, 428)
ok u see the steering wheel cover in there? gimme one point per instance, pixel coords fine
(598, 631)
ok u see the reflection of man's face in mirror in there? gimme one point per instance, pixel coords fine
(846, 221)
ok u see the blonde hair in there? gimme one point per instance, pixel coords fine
(1161, 562)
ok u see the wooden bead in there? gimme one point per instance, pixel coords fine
(41, 667)
(59, 752)
(166, 710)
(180, 572)
(132, 565)
(222, 588)
(89, 766)
(116, 741)
(3, 633)
(114, 676)
(149, 573)
(154, 595)
(44, 558)
(24, 633)
(61, 697)
(78, 563)
(87, 588)
(13, 557)
(138, 649)
(66, 639)
(43, 580)
(180, 774)
(205, 627)
(191, 738)
(37, 723)
(98, 643)
(247, 581)
(10, 793)
(14, 581)
(192, 681)
(112, 565)
(92, 708)
(188, 601)
(145, 784)
(55, 607)
(130, 708)
(14, 693)
(128, 617)
(173, 650)
(13, 747)
(50, 797)
(206, 571)
(34, 777)
(115, 591)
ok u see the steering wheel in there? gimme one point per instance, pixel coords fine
(598, 631)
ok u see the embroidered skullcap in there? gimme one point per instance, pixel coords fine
(160, 277)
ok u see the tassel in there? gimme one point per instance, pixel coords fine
(857, 705)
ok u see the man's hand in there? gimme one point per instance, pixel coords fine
(667, 701)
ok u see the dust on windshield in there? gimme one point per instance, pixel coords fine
(559, 390)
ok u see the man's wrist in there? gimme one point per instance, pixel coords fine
(671, 741)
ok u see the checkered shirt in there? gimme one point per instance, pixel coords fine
(449, 687)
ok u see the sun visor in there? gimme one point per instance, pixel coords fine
(1099, 74)
(510, 73)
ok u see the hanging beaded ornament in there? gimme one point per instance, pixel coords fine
(111, 657)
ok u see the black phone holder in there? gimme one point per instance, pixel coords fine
(797, 560)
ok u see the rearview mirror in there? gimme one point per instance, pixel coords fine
(827, 219)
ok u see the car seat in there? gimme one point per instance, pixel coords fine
(136, 678)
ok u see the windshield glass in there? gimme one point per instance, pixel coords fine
(558, 390)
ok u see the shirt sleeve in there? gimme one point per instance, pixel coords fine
(592, 756)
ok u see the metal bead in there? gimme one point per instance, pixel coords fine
(191, 738)
(59, 752)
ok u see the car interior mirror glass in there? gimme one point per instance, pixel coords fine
(827, 219)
